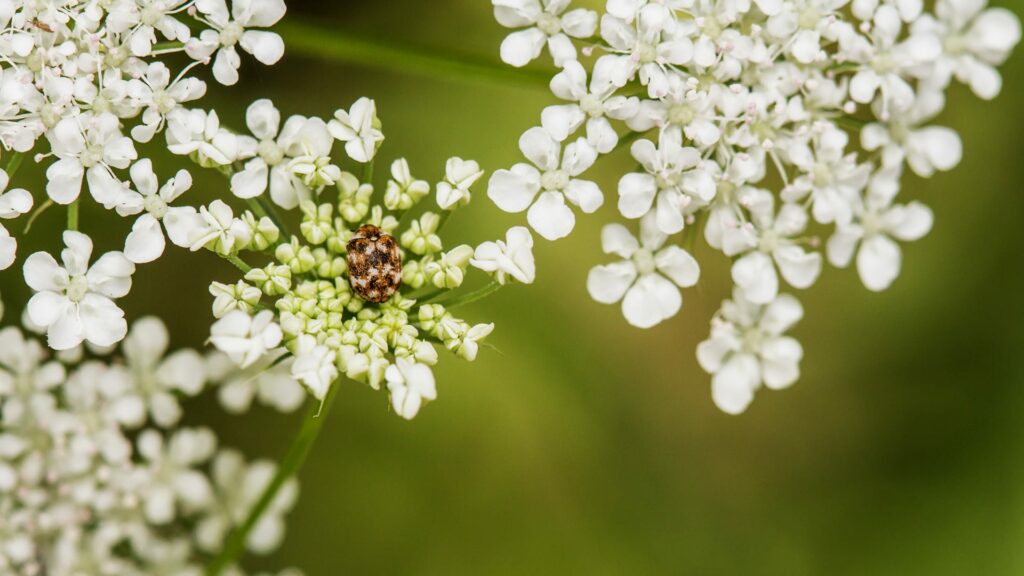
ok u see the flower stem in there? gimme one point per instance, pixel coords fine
(487, 290)
(36, 214)
(313, 40)
(238, 262)
(289, 466)
(263, 209)
(13, 164)
(73, 215)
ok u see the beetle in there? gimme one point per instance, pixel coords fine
(374, 264)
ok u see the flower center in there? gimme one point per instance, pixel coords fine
(752, 341)
(681, 114)
(116, 57)
(231, 34)
(100, 104)
(549, 24)
(883, 63)
(78, 286)
(644, 261)
(270, 152)
(155, 205)
(163, 101)
(822, 174)
(668, 179)
(871, 223)
(49, 114)
(711, 27)
(955, 44)
(592, 106)
(554, 180)
(769, 241)
(91, 156)
(646, 53)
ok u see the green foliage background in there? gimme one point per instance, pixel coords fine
(585, 446)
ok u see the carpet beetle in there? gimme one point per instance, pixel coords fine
(374, 264)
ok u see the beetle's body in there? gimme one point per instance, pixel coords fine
(374, 264)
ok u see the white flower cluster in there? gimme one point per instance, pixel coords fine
(299, 301)
(765, 123)
(97, 476)
(81, 84)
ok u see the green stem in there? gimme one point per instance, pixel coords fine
(263, 209)
(73, 215)
(487, 290)
(290, 465)
(13, 164)
(368, 172)
(238, 262)
(313, 40)
(36, 214)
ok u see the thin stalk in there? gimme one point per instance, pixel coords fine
(368, 172)
(238, 262)
(73, 215)
(13, 164)
(36, 214)
(316, 41)
(492, 287)
(289, 466)
(263, 209)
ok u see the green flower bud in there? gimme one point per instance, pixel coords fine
(317, 222)
(273, 279)
(297, 257)
(420, 238)
(403, 191)
(353, 198)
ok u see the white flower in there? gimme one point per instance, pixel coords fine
(876, 227)
(269, 381)
(747, 348)
(171, 472)
(87, 146)
(974, 40)
(593, 105)
(675, 177)
(314, 366)
(13, 203)
(156, 379)
(459, 176)
(75, 302)
(652, 44)
(768, 241)
(214, 227)
(359, 129)
(648, 279)
(197, 132)
(886, 61)
(237, 486)
(831, 177)
(236, 29)
(244, 338)
(512, 257)
(410, 384)
(926, 149)
(515, 190)
(146, 242)
(545, 21)
(155, 92)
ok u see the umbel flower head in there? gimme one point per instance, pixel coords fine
(365, 287)
(781, 129)
(96, 476)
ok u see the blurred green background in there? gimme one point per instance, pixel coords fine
(587, 446)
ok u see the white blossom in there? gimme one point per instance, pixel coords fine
(542, 22)
(75, 302)
(410, 385)
(748, 349)
(507, 259)
(244, 338)
(553, 176)
(236, 28)
(649, 277)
